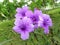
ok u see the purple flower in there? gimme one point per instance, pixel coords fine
(23, 27)
(26, 21)
(21, 12)
(35, 17)
(46, 23)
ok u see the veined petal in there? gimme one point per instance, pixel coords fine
(50, 22)
(27, 20)
(18, 21)
(25, 8)
(18, 10)
(47, 19)
(45, 16)
(24, 35)
(29, 13)
(18, 15)
(46, 30)
(30, 28)
(17, 29)
(38, 12)
(40, 22)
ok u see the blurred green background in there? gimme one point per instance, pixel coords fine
(8, 11)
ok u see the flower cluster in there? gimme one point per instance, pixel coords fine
(27, 21)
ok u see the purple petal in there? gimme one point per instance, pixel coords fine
(38, 12)
(18, 15)
(25, 8)
(35, 26)
(25, 35)
(30, 28)
(18, 10)
(16, 29)
(29, 13)
(27, 20)
(17, 21)
(47, 19)
(45, 16)
(46, 30)
(40, 22)
(50, 22)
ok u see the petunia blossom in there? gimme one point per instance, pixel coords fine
(35, 17)
(21, 12)
(46, 23)
(23, 27)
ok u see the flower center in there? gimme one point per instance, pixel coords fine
(34, 18)
(35, 23)
(23, 27)
(45, 23)
(23, 13)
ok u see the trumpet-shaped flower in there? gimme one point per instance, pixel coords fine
(35, 17)
(21, 12)
(46, 23)
(23, 27)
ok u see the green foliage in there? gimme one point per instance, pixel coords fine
(9, 37)
(8, 9)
